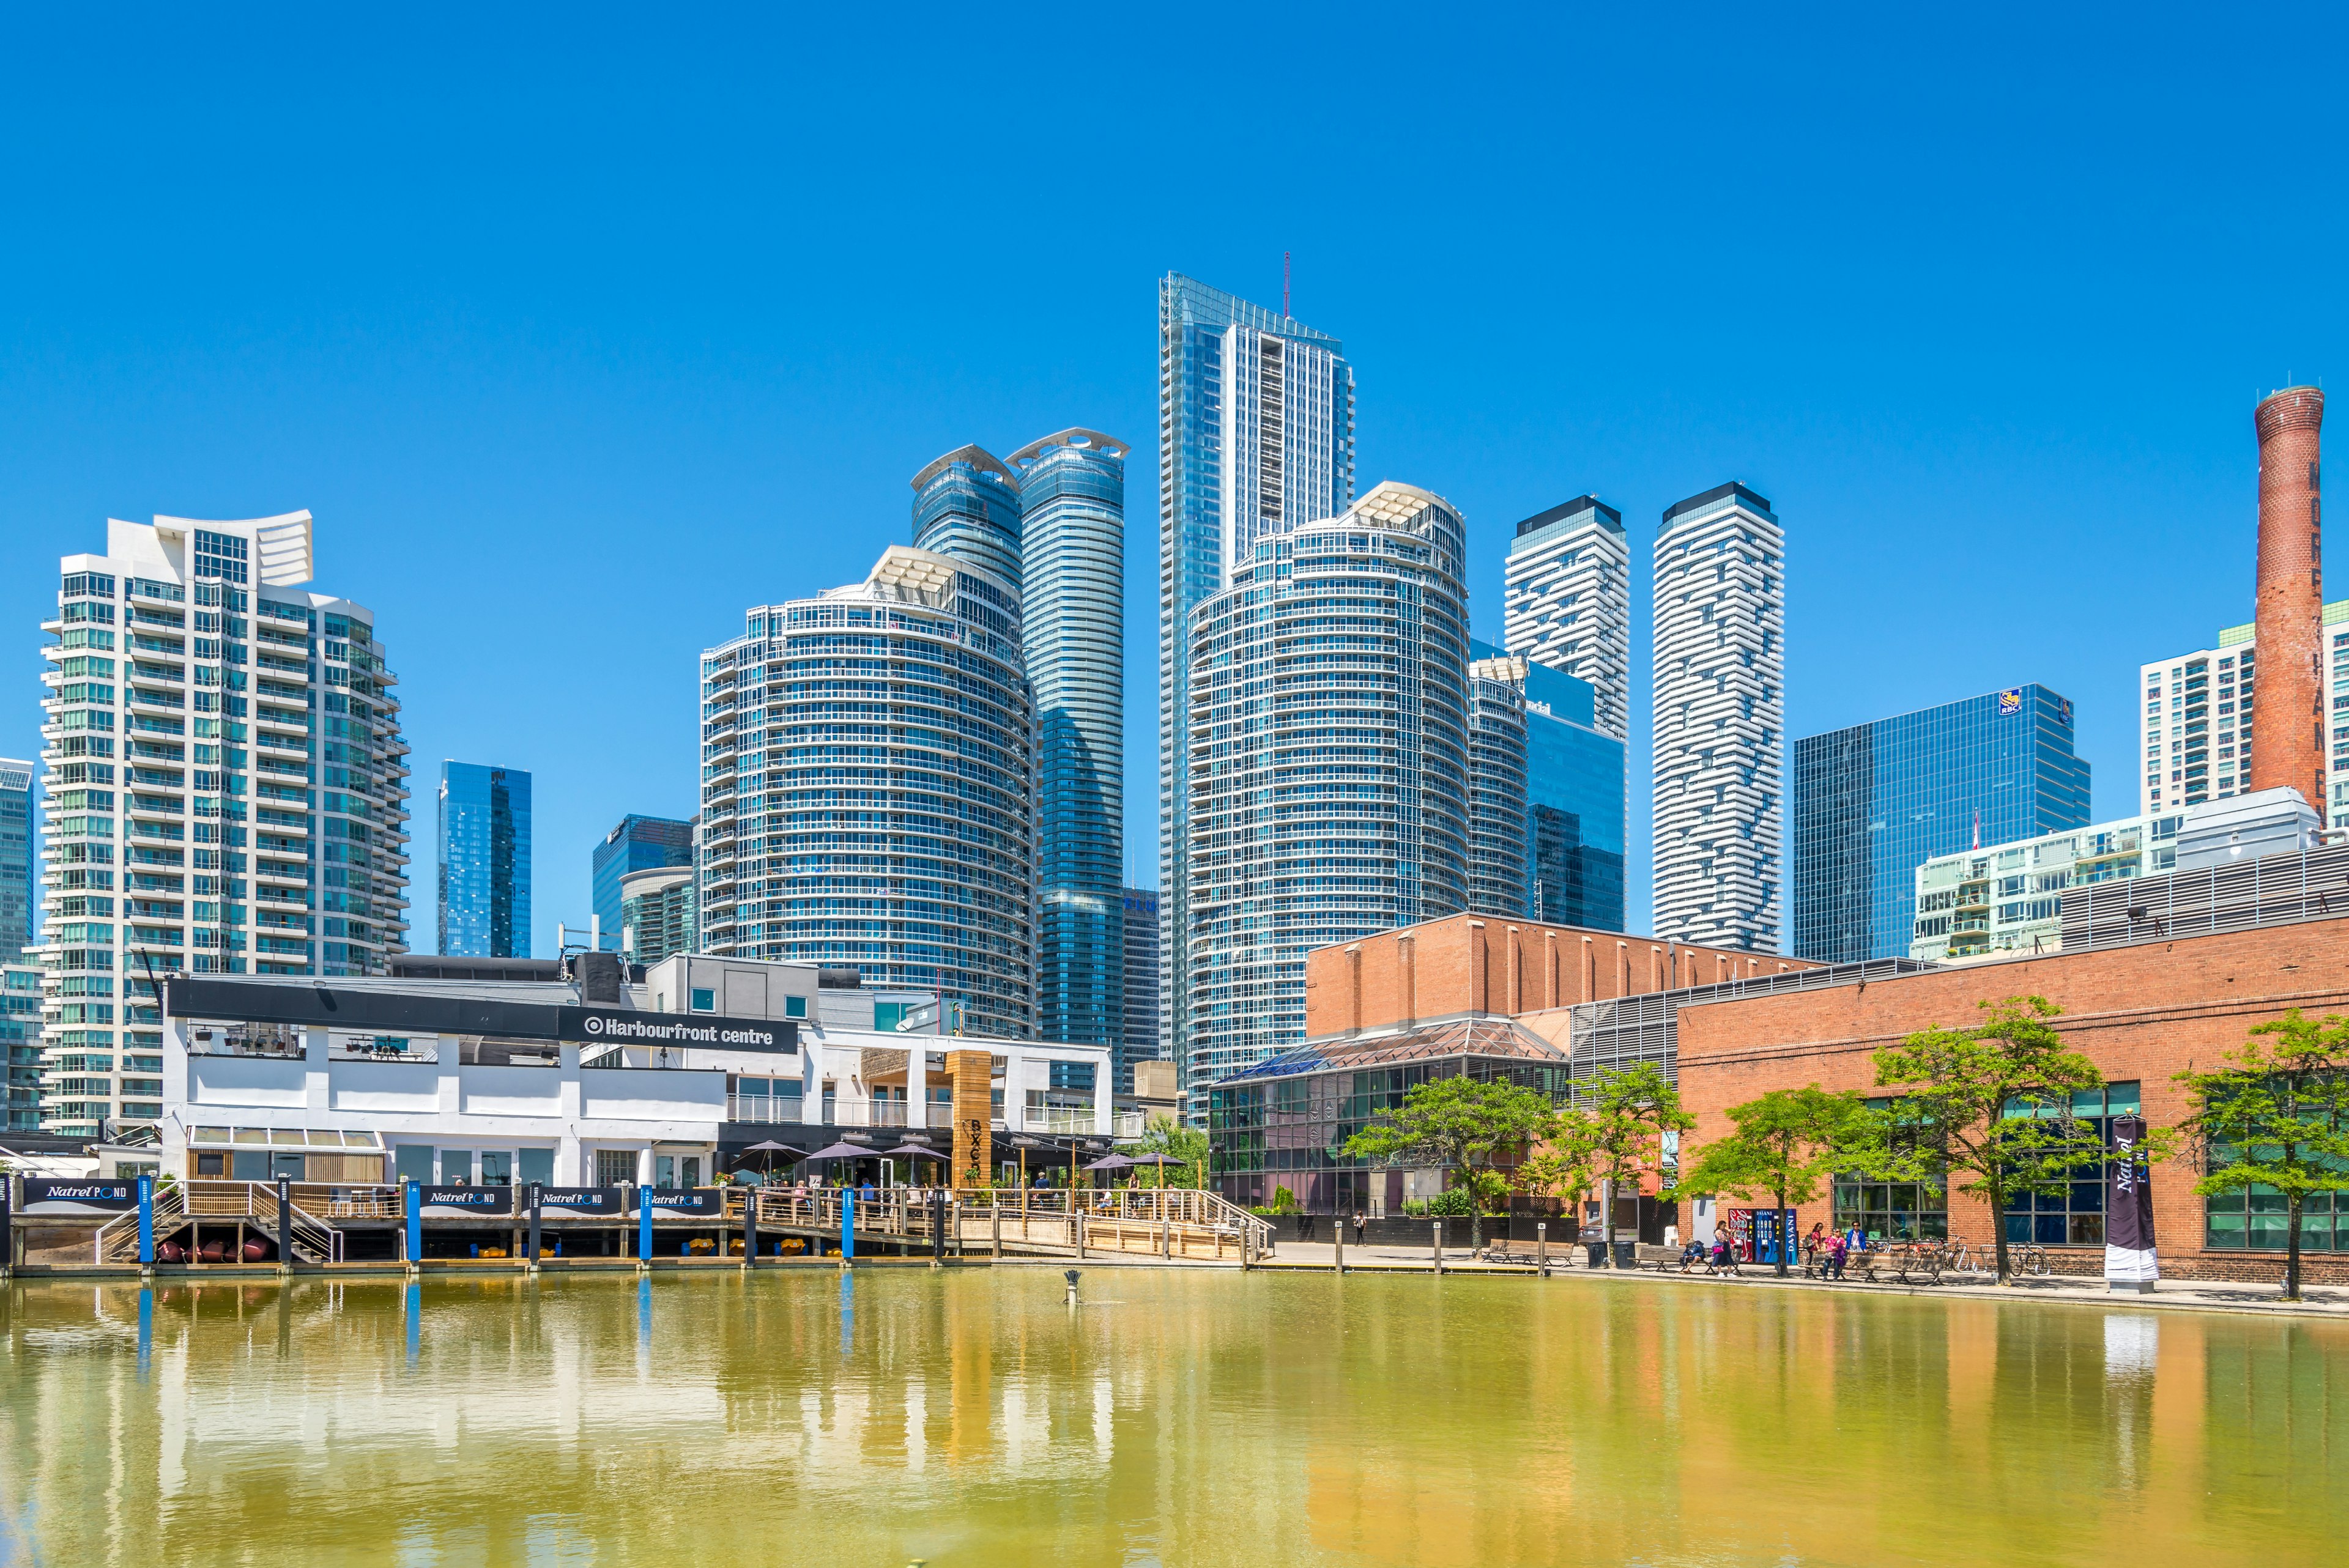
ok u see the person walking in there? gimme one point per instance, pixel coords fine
(1837, 1250)
(1813, 1246)
(1361, 1223)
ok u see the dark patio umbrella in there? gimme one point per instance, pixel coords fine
(769, 1149)
(1162, 1161)
(1112, 1162)
(843, 1151)
(912, 1151)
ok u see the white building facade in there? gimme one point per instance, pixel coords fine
(228, 792)
(1567, 603)
(494, 1081)
(2008, 898)
(2198, 712)
(1719, 725)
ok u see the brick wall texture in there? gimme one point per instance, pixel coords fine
(2141, 1013)
(2288, 743)
(1479, 963)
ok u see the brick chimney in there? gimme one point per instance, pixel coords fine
(2288, 736)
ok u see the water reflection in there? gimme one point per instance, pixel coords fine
(973, 1418)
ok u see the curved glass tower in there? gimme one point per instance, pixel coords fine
(1327, 737)
(867, 760)
(966, 505)
(1071, 500)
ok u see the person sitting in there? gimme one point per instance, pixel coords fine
(1691, 1254)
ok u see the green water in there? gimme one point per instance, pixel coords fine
(1175, 1417)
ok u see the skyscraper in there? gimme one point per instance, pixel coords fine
(1071, 496)
(225, 762)
(868, 761)
(1141, 1021)
(484, 879)
(16, 859)
(635, 844)
(1576, 804)
(1498, 880)
(967, 506)
(1719, 701)
(1328, 776)
(1567, 601)
(1874, 801)
(1256, 422)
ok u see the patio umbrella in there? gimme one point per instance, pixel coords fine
(912, 1151)
(1111, 1162)
(769, 1149)
(843, 1151)
(1162, 1161)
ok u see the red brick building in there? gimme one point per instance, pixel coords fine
(2141, 1014)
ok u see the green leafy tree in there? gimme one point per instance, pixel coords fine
(1784, 1148)
(1990, 1106)
(2276, 1116)
(1620, 1135)
(1165, 1135)
(1458, 1124)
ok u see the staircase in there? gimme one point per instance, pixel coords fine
(180, 1204)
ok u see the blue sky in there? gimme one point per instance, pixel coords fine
(581, 330)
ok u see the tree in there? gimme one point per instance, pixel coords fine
(1459, 1124)
(1991, 1105)
(1626, 1113)
(1785, 1146)
(1165, 1135)
(2276, 1116)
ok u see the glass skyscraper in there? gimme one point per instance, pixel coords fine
(1498, 874)
(484, 882)
(1141, 1042)
(636, 844)
(1329, 776)
(1567, 601)
(1256, 420)
(1875, 801)
(1573, 787)
(967, 506)
(16, 859)
(1071, 531)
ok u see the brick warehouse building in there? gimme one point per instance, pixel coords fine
(2140, 1013)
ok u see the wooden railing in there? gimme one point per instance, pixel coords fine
(313, 1240)
(1174, 1222)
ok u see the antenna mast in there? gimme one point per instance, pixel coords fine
(1284, 284)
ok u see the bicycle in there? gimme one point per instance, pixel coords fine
(2030, 1258)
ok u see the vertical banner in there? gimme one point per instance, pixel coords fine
(415, 1223)
(974, 1119)
(848, 1224)
(2130, 1261)
(146, 1222)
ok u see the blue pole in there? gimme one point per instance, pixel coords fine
(414, 1304)
(415, 1223)
(644, 1224)
(848, 1224)
(146, 1222)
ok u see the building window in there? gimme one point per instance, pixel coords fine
(794, 1006)
(1894, 1211)
(2075, 1215)
(705, 999)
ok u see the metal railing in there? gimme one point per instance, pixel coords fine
(185, 1203)
(1172, 1221)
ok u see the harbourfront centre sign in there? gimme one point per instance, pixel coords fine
(622, 1027)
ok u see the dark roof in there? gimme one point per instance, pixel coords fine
(1470, 1037)
(1753, 498)
(1563, 509)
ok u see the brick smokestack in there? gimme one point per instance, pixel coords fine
(2288, 739)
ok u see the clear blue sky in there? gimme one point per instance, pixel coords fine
(579, 332)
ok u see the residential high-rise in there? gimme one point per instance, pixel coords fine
(1567, 601)
(1329, 763)
(1720, 700)
(1576, 804)
(16, 859)
(1257, 399)
(2199, 722)
(1498, 879)
(1874, 801)
(1071, 496)
(484, 880)
(656, 914)
(226, 788)
(2288, 607)
(967, 506)
(2000, 897)
(868, 762)
(635, 843)
(1141, 1021)
(20, 1039)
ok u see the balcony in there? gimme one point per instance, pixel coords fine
(763, 1109)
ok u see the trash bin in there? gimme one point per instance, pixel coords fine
(1626, 1255)
(1596, 1254)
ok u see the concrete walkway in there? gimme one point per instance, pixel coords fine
(2192, 1295)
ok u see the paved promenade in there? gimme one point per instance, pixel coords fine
(1566, 1264)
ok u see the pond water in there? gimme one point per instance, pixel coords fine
(1179, 1418)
